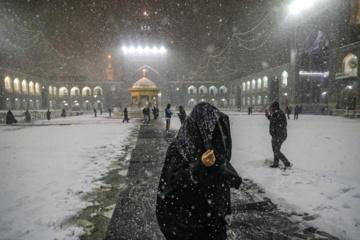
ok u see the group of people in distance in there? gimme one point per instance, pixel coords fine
(10, 118)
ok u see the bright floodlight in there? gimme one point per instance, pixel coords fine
(155, 50)
(125, 49)
(162, 50)
(144, 50)
(298, 5)
(139, 49)
(132, 49)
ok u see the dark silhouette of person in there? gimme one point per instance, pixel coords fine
(278, 132)
(10, 119)
(95, 112)
(48, 114)
(296, 114)
(27, 116)
(194, 189)
(168, 114)
(146, 113)
(182, 114)
(126, 118)
(63, 113)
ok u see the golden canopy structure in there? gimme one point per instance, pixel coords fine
(144, 93)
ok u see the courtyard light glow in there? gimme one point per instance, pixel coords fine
(314, 73)
(144, 50)
(299, 5)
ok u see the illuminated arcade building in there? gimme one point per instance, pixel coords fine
(313, 62)
(72, 93)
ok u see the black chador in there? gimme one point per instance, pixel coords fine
(193, 199)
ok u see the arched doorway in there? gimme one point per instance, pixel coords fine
(350, 96)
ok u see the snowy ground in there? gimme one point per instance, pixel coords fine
(325, 179)
(45, 170)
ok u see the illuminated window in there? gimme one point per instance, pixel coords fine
(265, 82)
(284, 77)
(259, 83)
(31, 88)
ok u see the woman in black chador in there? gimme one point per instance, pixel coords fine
(194, 189)
(10, 119)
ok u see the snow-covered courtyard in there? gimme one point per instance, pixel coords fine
(47, 167)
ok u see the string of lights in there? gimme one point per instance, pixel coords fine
(252, 29)
(222, 58)
(17, 33)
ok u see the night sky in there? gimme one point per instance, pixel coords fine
(60, 38)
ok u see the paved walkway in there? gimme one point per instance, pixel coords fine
(253, 217)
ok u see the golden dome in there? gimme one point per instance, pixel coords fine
(144, 83)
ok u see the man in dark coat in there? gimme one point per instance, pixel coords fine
(194, 188)
(146, 113)
(182, 114)
(126, 118)
(10, 119)
(297, 110)
(278, 132)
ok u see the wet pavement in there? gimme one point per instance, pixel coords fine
(126, 209)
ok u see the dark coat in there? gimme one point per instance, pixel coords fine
(278, 125)
(182, 115)
(190, 195)
(146, 111)
(48, 114)
(10, 119)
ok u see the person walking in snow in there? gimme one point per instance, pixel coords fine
(154, 112)
(27, 116)
(194, 188)
(182, 114)
(296, 114)
(10, 119)
(168, 114)
(146, 113)
(287, 110)
(278, 132)
(48, 114)
(110, 112)
(95, 112)
(126, 118)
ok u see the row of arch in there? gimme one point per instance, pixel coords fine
(75, 91)
(22, 87)
(223, 103)
(31, 88)
(17, 104)
(259, 100)
(192, 90)
(263, 83)
(76, 105)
